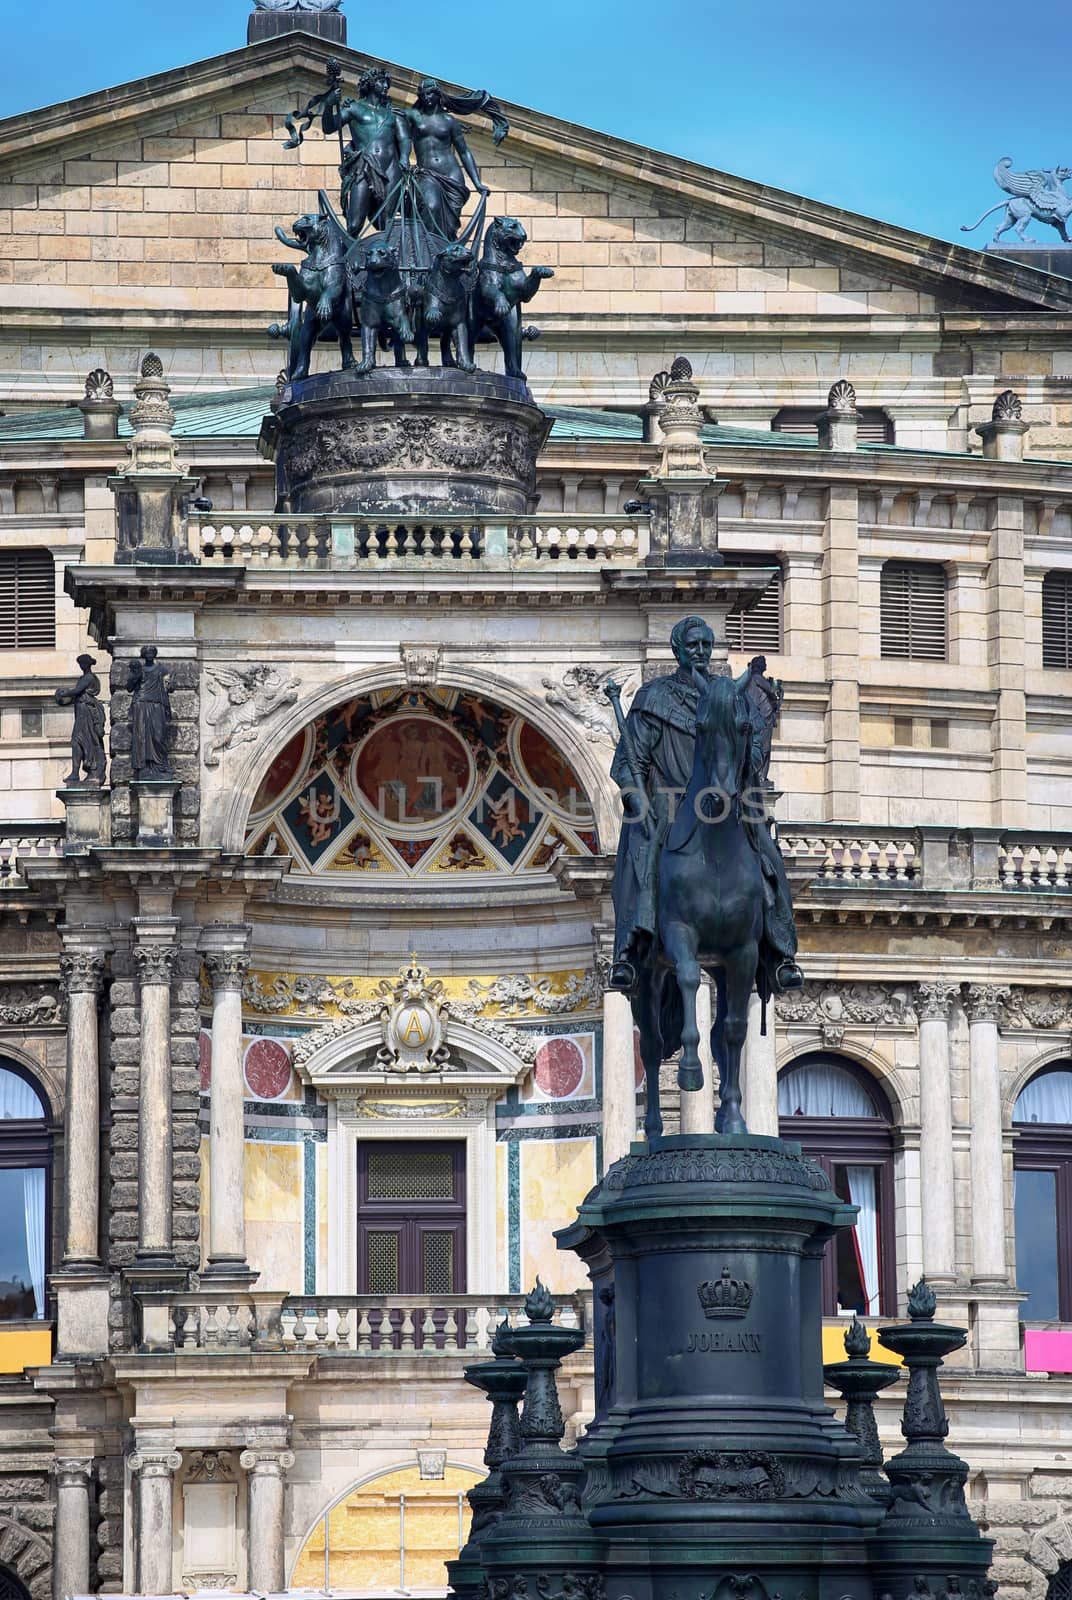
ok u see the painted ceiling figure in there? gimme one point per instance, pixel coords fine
(662, 725)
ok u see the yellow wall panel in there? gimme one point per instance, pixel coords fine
(556, 1174)
(274, 1221)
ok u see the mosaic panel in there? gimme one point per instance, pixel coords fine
(421, 781)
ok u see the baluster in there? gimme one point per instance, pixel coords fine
(382, 1328)
(320, 1333)
(178, 1317)
(465, 544)
(342, 1328)
(450, 1331)
(407, 1341)
(210, 1332)
(364, 1332)
(472, 1327)
(231, 1332)
(428, 1330)
(299, 1324)
(253, 1326)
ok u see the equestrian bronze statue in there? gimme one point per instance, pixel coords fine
(699, 883)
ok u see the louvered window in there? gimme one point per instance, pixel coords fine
(1057, 620)
(913, 604)
(27, 600)
(759, 630)
(872, 425)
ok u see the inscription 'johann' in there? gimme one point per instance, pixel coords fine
(736, 1341)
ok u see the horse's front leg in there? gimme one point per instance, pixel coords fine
(679, 944)
(740, 974)
(646, 1008)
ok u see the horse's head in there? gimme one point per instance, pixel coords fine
(722, 735)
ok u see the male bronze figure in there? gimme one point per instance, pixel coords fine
(695, 829)
(378, 153)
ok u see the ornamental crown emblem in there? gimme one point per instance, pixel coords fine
(413, 1019)
(725, 1296)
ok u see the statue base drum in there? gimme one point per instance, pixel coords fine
(714, 1468)
(406, 442)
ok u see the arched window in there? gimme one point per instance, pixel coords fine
(841, 1118)
(912, 605)
(25, 1158)
(1060, 1585)
(10, 1586)
(1042, 1119)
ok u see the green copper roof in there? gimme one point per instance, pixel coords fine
(238, 414)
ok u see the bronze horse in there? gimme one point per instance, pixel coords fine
(710, 917)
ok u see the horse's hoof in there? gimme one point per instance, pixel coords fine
(729, 1120)
(690, 1078)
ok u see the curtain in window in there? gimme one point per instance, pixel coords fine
(33, 1205)
(865, 1233)
(18, 1101)
(821, 1089)
(1047, 1098)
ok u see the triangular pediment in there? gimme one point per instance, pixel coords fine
(164, 193)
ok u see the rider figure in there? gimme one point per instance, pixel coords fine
(662, 726)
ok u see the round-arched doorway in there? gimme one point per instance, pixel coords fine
(395, 1531)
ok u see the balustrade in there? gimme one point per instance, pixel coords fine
(24, 841)
(340, 542)
(371, 1325)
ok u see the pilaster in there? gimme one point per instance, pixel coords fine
(933, 1003)
(154, 954)
(841, 649)
(226, 953)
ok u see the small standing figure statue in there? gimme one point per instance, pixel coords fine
(764, 697)
(150, 718)
(87, 736)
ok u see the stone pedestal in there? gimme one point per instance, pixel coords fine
(719, 1456)
(327, 25)
(406, 443)
(81, 1315)
(155, 802)
(89, 817)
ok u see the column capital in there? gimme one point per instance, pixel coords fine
(73, 1472)
(154, 1463)
(227, 969)
(983, 1001)
(933, 1001)
(154, 962)
(82, 969)
(266, 1463)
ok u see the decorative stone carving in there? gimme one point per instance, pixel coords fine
(266, 1463)
(82, 971)
(210, 1466)
(832, 1008)
(152, 448)
(414, 1031)
(154, 963)
(740, 1474)
(1040, 1010)
(227, 968)
(420, 663)
(409, 1111)
(515, 996)
(716, 1166)
(842, 398)
(154, 1463)
(408, 443)
(680, 420)
(74, 1472)
(433, 1463)
(933, 1001)
(1008, 407)
(24, 1005)
(580, 693)
(984, 1001)
(297, 5)
(99, 385)
(516, 993)
(245, 697)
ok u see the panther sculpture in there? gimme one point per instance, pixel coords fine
(320, 298)
(381, 303)
(443, 311)
(503, 285)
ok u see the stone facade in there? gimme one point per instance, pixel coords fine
(217, 1379)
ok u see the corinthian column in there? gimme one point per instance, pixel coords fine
(70, 1547)
(932, 1004)
(82, 966)
(227, 960)
(153, 1548)
(983, 1001)
(267, 1474)
(154, 957)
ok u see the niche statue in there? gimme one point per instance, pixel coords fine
(150, 718)
(87, 736)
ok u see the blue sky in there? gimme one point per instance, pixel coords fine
(898, 111)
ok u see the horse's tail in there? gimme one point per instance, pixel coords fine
(671, 1018)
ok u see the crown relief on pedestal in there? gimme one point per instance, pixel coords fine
(725, 1296)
